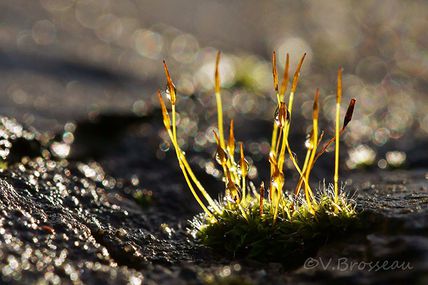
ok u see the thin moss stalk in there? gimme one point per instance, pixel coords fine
(268, 223)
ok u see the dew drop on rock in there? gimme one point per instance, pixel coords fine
(165, 146)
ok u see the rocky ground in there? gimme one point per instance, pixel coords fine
(90, 191)
(76, 221)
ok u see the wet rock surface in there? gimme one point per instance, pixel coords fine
(96, 196)
(122, 218)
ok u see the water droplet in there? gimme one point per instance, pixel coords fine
(167, 93)
(276, 116)
(165, 146)
(281, 115)
(309, 144)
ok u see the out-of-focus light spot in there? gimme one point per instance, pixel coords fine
(185, 84)
(134, 280)
(92, 170)
(204, 76)
(261, 75)
(243, 102)
(371, 68)
(18, 95)
(148, 43)
(68, 137)
(398, 121)
(381, 136)
(184, 48)
(253, 73)
(252, 173)
(307, 109)
(237, 267)
(70, 127)
(88, 11)
(358, 130)
(225, 271)
(108, 28)
(200, 139)
(60, 149)
(382, 163)
(28, 118)
(395, 158)
(209, 134)
(5, 146)
(134, 180)
(360, 156)
(212, 170)
(140, 108)
(296, 47)
(264, 147)
(43, 32)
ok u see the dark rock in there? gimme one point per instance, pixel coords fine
(70, 221)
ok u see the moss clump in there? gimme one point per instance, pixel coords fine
(295, 233)
(267, 224)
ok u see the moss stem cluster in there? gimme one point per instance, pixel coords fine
(266, 211)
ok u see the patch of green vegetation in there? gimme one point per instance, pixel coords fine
(241, 231)
(3, 165)
(144, 198)
(267, 224)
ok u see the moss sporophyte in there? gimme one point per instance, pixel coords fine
(268, 223)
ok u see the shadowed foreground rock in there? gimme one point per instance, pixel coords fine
(68, 222)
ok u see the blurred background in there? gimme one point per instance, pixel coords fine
(68, 60)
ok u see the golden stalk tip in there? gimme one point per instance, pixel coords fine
(297, 73)
(171, 86)
(216, 74)
(165, 115)
(231, 142)
(315, 113)
(339, 86)
(285, 78)
(274, 71)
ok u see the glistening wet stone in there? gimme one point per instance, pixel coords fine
(76, 221)
(68, 221)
